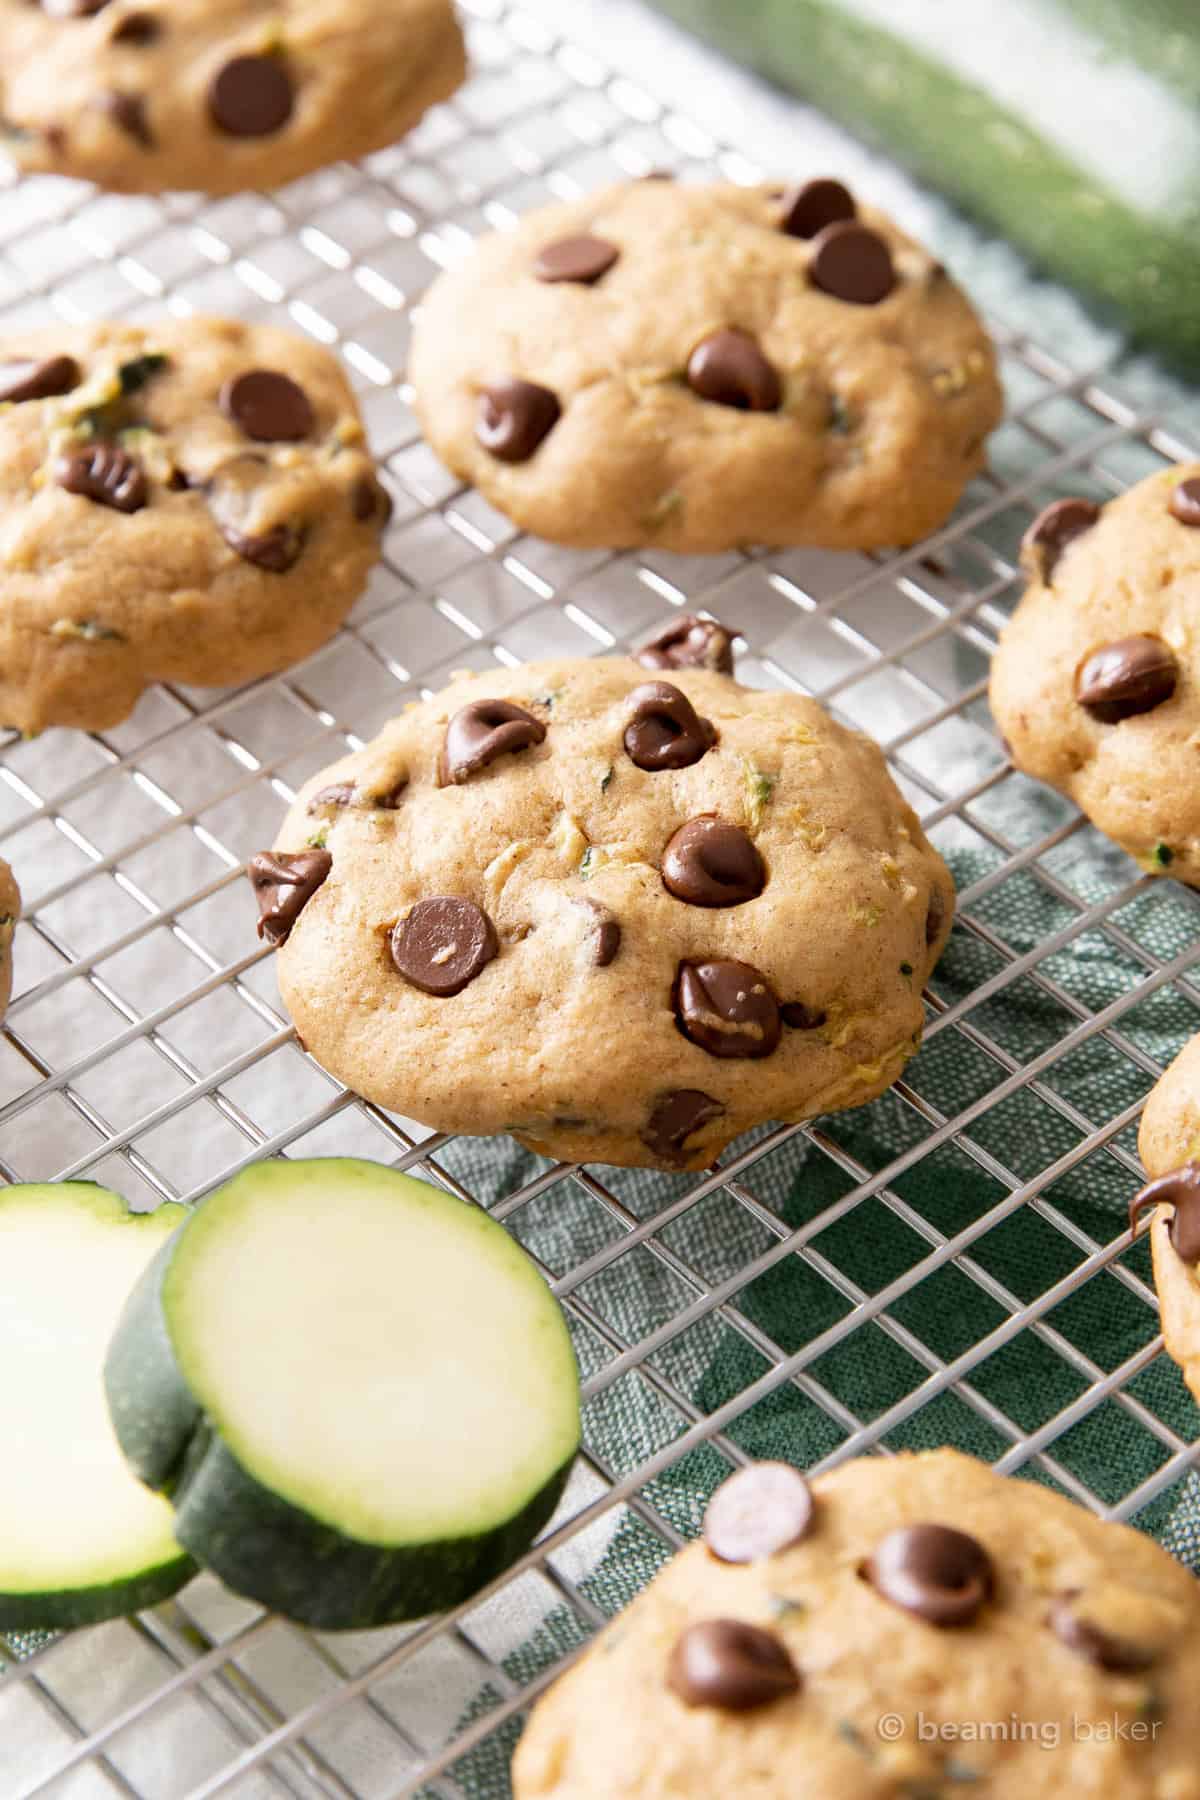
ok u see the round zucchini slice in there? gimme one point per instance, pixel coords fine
(358, 1391)
(80, 1539)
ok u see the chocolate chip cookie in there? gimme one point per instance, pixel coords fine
(1096, 684)
(1169, 1143)
(192, 502)
(621, 910)
(220, 95)
(909, 1626)
(10, 912)
(702, 367)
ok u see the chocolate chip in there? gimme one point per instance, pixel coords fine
(606, 933)
(689, 643)
(284, 881)
(1091, 1641)
(514, 417)
(727, 1664)
(809, 209)
(1185, 502)
(709, 862)
(1055, 527)
(674, 1118)
(482, 731)
(729, 368)
(104, 473)
(342, 793)
(369, 499)
(582, 259)
(727, 1008)
(801, 1017)
(268, 406)
(136, 28)
(1131, 676)
(443, 944)
(239, 495)
(1180, 1189)
(664, 729)
(25, 379)
(941, 1575)
(758, 1512)
(935, 918)
(128, 113)
(251, 96)
(852, 263)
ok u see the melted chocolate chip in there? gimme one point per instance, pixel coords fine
(729, 1665)
(727, 1008)
(709, 862)
(128, 113)
(284, 881)
(1131, 676)
(106, 474)
(268, 406)
(809, 209)
(674, 1118)
(1055, 528)
(730, 369)
(1185, 502)
(236, 495)
(800, 1017)
(935, 918)
(1099, 1646)
(758, 1512)
(252, 96)
(514, 417)
(1180, 1189)
(939, 1574)
(136, 28)
(664, 729)
(605, 935)
(443, 944)
(689, 643)
(482, 731)
(852, 263)
(24, 379)
(581, 259)
(369, 499)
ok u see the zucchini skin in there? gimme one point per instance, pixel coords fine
(1059, 209)
(68, 1609)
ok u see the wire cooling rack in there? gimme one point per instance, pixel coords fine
(146, 1046)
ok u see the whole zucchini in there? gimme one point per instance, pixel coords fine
(1073, 126)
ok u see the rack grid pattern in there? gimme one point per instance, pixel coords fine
(146, 1046)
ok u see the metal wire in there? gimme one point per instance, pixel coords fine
(146, 1047)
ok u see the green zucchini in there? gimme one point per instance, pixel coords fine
(358, 1391)
(1073, 126)
(80, 1539)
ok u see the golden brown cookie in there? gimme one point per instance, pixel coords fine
(1096, 684)
(220, 95)
(922, 1626)
(191, 502)
(622, 912)
(1169, 1143)
(702, 367)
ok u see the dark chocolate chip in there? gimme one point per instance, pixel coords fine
(236, 493)
(581, 259)
(342, 793)
(852, 263)
(284, 881)
(809, 209)
(674, 1118)
(726, 1664)
(941, 1575)
(729, 368)
(1180, 1189)
(935, 918)
(1056, 527)
(268, 406)
(105, 473)
(709, 862)
(758, 1512)
(514, 417)
(1185, 502)
(128, 113)
(689, 643)
(1101, 1647)
(801, 1017)
(482, 731)
(369, 499)
(664, 729)
(251, 96)
(727, 1008)
(25, 379)
(1123, 679)
(443, 944)
(136, 28)
(606, 933)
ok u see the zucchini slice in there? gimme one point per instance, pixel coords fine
(358, 1391)
(80, 1539)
